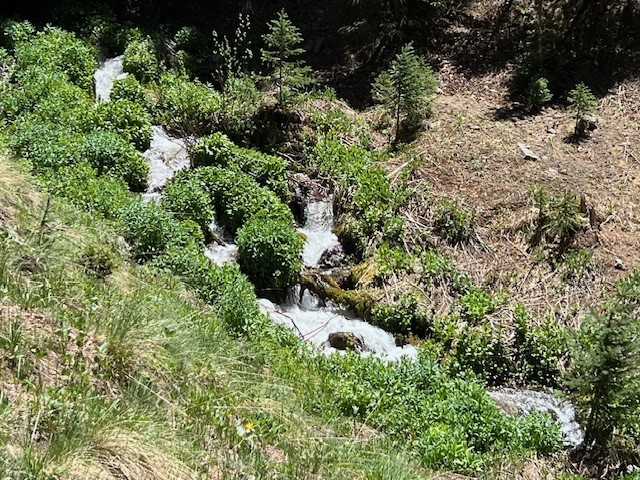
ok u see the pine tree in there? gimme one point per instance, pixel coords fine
(605, 373)
(406, 89)
(283, 47)
(583, 102)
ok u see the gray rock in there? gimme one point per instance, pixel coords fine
(527, 153)
(333, 257)
(347, 341)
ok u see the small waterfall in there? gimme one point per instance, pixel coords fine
(223, 250)
(318, 231)
(108, 72)
(304, 313)
(529, 401)
(165, 157)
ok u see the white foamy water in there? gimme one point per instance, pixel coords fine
(108, 72)
(529, 401)
(318, 230)
(313, 322)
(222, 254)
(165, 157)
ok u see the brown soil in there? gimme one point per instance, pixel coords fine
(469, 152)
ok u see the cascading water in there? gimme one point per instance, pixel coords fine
(305, 314)
(165, 157)
(223, 250)
(108, 72)
(318, 231)
(529, 401)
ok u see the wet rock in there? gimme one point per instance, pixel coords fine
(302, 189)
(347, 341)
(333, 257)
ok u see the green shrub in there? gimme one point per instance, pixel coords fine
(188, 200)
(59, 51)
(46, 145)
(130, 89)
(485, 351)
(240, 105)
(187, 107)
(150, 230)
(268, 170)
(97, 194)
(394, 259)
(48, 94)
(560, 220)
(405, 316)
(438, 269)
(540, 348)
(127, 119)
(538, 93)
(99, 261)
(14, 32)
(141, 60)
(576, 264)
(224, 287)
(476, 304)
(108, 153)
(237, 197)
(453, 223)
(269, 252)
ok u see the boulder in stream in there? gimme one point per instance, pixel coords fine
(332, 257)
(347, 341)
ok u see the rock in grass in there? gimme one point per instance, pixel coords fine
(527, 153)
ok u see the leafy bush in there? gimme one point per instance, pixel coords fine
(188, 200)
(484, 351)
(224, 287)
(14, 32)
(127, 119)
(97, 194)
(540, 348)
(439, 269)
(371, 202)
(241, 102)
(59, 51)
(576, 264)
(110, 154)
(453, 223)
(187, 107)
(268, 170)
(150, 230)
(405, 316)
(48, 95)
(141, 61)
(394, 259)
(46, 145)
(538, 93)
(130, 89)
(476, 304)
(237, 197)
(269, 252)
